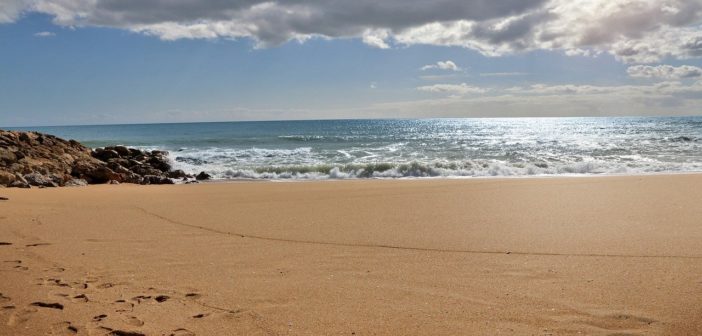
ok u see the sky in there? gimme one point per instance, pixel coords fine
(76, 62)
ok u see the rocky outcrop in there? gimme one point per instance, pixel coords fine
(36, 159)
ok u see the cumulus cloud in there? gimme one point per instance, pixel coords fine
(634, 31)
(44, 34)
(11, 9)
(442, 65)
(666, 72)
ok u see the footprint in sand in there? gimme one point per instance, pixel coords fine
(125, 333)
(140, 298)
(4, 298)
(105, 285)
(105, 331)
(182, 332)
(80, 298)
(63, 328)
(37, 244)
(162, 298)
(122, 306)
(620, 322)
(52, 282)
(55, 269)
(193, 296)
(98, 318)
(21, 316)
(133, 320)
(52, 305)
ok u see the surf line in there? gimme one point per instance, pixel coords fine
(408, 248)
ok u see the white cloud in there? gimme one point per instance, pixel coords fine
(454, 89)
(666, 72)
(634, 31)
(544, 100)
(11, 9)
(503, 74)
(442, 65)
(44, 34)
(376, 38)
(373, 85)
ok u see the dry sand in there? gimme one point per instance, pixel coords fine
(556, 256)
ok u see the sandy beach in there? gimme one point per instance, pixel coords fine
(529, 256)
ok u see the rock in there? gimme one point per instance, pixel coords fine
(132, 163)
(76, 183)
(48, 161)
(7, 157)
(19, 184)
(39, 180)
(94, 173)
(113, 182)
(57, 179)
(146, 169)
(203, 176)
(106, 154)
(160, 162)
(121, 150)
(6, 178)
(119, 161)
(176, 174)
(117, 168)
(133, 152)
(156, 179)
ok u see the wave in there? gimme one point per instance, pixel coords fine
(301, 137)
(475, 168)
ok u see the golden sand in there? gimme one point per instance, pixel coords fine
(551, 256)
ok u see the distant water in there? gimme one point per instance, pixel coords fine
(340, 149)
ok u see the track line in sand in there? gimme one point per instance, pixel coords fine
(407, 248)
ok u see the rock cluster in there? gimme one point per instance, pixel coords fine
(36, 159)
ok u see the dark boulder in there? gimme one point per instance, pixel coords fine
(105, 154)
(203, 176)
(156, 179)
(121, 150)
(177, 174)
(39, 180)
(160, 162)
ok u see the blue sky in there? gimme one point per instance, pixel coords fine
(55, 70)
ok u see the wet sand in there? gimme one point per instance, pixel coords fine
(537, 256)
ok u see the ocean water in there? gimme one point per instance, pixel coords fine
(341, 149)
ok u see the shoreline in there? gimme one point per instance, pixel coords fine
(562, 256)
(439, 178)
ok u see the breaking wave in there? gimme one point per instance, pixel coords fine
(387, 170)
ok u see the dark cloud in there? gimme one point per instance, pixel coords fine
(632, 30)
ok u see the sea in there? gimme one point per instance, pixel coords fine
(413, 148)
